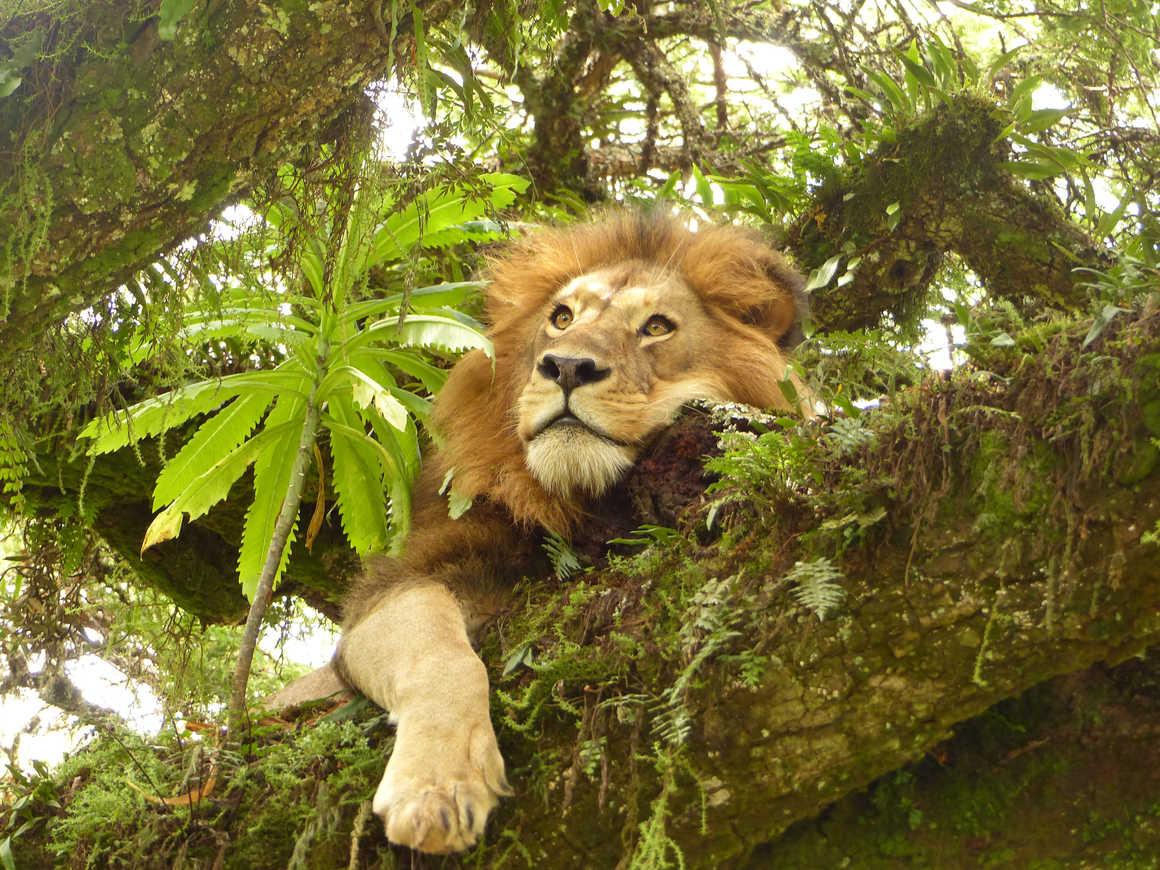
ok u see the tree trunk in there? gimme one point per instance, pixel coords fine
(989, 533)
(989, 539)
(119, 144)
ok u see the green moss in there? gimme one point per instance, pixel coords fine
(1009, 494)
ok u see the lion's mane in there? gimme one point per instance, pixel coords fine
(743, 284)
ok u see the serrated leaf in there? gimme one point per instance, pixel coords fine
(434, 296)
(367, 392)
(165, 526)
(431, 219)
(422, 330)
(271, 481)
(395, 476)
(431, 377)
(154, 416)
(239, 317)
(212, 442)
(213, 486)
(357, 478)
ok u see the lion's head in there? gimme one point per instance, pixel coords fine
(602, 332)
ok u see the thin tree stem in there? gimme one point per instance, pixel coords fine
(278, 541)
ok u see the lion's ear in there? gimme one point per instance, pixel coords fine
(783, 308)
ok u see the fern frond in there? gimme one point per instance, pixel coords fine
(815, 585)
(565, 562)
(850, 433)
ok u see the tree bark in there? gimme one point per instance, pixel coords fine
(990, 536)
(118, 144)
(941, 188)
(989, 540)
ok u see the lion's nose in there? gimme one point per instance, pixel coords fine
(571, 372)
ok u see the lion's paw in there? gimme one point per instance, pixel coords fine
(439, 787)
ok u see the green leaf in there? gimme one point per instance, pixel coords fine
(431, 220)
(416, 406)
(668, 189)
(425, 298)
(271, 481)
(941, 61)
(421, 330)
(213, 441)
(240, 322)
(916, 69)
(366, 392)
(1041, 119)
(358, 480)
(704, 188)
(212, 486)
(822, 275)
(1107, 315)
(1019, 101)
(891, 90)
(392, 470)
(154, 416)
(24, 50)
(172, 11)
(431, 377)
(1034, 169)
(1000, 63)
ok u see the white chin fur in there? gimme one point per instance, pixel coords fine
(569, 458)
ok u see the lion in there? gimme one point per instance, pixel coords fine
(601, 332)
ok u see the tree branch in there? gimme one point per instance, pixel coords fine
(119, 144)
(941, 188)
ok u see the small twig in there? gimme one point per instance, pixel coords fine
(282, 527)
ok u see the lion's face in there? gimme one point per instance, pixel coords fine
(616, 354)
(601, 333)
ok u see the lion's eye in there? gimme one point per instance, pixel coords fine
(657, 325)
(562, 317)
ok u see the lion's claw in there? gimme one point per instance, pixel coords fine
(437, 819)
(435, 795)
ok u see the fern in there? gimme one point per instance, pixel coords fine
(815, 585)
(13, 463)
(848, 434)
(565, 562)
(709, 625)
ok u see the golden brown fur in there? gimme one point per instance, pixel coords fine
(601, 332)
(747, 287)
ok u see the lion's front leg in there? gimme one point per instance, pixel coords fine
(411, 655)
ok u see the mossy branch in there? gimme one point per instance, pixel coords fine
(159, 134)
(942, 188)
